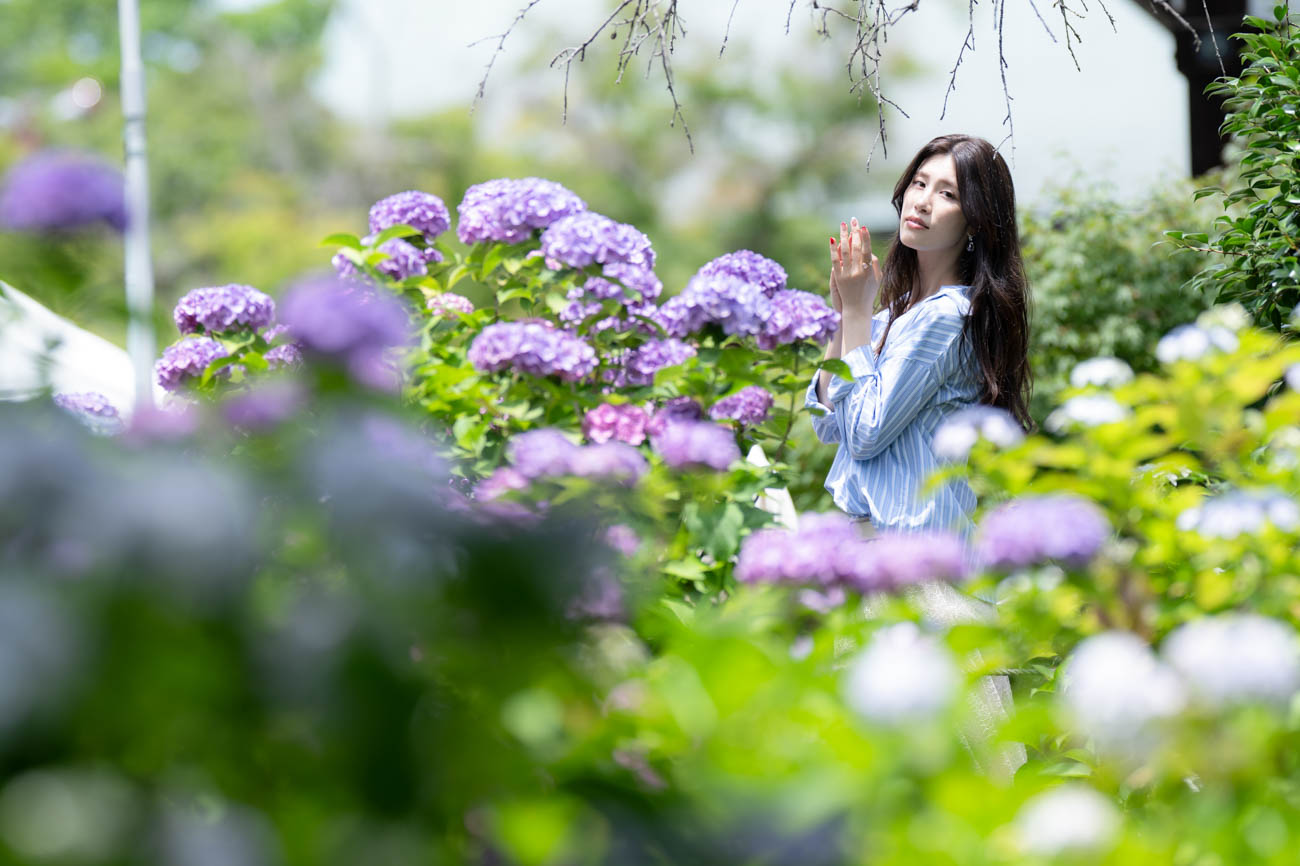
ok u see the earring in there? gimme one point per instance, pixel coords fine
(970, 243)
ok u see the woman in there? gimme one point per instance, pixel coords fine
(952, 331)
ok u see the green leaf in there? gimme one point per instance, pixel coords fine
(342, 239)
(492, 259)
(401, 230)
(837, 367)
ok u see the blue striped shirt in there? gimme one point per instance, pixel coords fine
(885, 418)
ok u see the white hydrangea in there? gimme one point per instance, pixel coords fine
(957, 435)
(1230, 316)
(1087, 410)
(1103, 371)
(1114, 687)
(1293, 377)
(1236, 512)
(1069, 819)
(1193, 342)
(903, 675)
(1236, 657)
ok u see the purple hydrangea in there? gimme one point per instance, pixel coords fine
(500, 482)
(749, 406)
(533, 347)
(404, 260)
(794, 316)
(748, 266)
(639, 278)
(284, 355)
(641, 364)
(1031, 530)
(806, 555)
(622, 539)
(62, 190)
(615, 460)
(540, 453)
(896, 559)
(589, 238)
(737, 306)
(625, 423)
(217, 309)
(92, 409)
(265, 405)
(349, 323)
(675, 411)
(449, 303)
(690, 444)
(419, 210)
(186, 360)
(511, 209)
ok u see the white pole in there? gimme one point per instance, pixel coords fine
(139, 266)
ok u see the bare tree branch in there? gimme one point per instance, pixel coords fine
(1002, 65)
(1213, 38)
(727, 34)
(968, 42)
(501, 44)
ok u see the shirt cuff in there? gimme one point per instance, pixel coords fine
(862, 364)
(810, 400)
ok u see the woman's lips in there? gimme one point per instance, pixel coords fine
(915, 223)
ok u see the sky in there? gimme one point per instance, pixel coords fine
(1121, 124)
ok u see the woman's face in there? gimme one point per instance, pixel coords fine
(932, 217)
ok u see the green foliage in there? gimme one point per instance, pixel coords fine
(1102, 282)
(1259, 236)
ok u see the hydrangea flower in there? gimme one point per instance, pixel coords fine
(794, 316)
(1114, 687)
(903, 676)
(265, 405)
(511, 209)
(1036, 529)
(404, 260)
(640, 365)
(737, 306)
(1193, 342)
(92, 409)
(1231, 514)
(539, 453)
(589, 238)
(640, 279)
(1086, 410)
(502, 480)
(674, 411)
(536, 348)
(748, 266)
(957, 434)
(284, 355)
(800, 556)
(621, 538)
(1103, 371)
(59, 190)
(352, 324)
(450, 303)
(1070, 819)
(1293, 377)
(1235, 658)
(893, 560)
(186, 360)
(625, 423)
(218, 309)
(697, 444)
(419, 210)
(748, 406)
(614, 460)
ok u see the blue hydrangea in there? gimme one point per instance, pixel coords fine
(218, 309)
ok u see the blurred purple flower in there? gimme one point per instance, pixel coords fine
(1031, 530)
(748, 406)
(543, 452)
(625, 423)
(614, 460)
(675, 411)
(92, 409)
(589, 238)
(748, 266)
(398, 441)
(187, 359)
(641, 364)
(622, 539)
(511, 209)
(690, 444)
(534, 347)
(154, 424)
(419, 210)
(502, 480)
(285, 355)
(265, 405)
(449, 303)
(601, 598)
(737, 306)
(794, 316)
(59, 190)
(895, 559)
(806, 555)
(217, 309)
(352, 324)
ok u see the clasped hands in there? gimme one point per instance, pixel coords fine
(855, 272)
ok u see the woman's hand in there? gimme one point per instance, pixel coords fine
(855, 272)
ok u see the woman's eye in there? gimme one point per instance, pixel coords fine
(949, 194)
(917, 183)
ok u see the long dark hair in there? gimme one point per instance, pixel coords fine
(998, 325)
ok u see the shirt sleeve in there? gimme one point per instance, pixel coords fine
(823, 422)
(888, 392)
